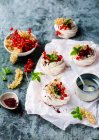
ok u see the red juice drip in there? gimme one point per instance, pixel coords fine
(10, 102)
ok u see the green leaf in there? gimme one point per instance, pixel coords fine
(77, 110)
(3, 76)
(38, 79)
(75, 115)
(6, 70)
(36, 76)
(75, 50)
(39, 73)
(68, 21)
(56, 90)
(73, 53)
(80, 117)
(53, 57)
(73, 112)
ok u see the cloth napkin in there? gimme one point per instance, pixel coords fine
(34, 103)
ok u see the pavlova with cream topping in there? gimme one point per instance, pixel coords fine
(52, 63)
(65, 27)
(55, 93)
(83, 55)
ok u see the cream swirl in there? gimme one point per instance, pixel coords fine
(55, 93)
(53, 68)
(48, 99)
(68, 33)
(86, 61)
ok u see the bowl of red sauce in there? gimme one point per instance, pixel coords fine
(9, 100)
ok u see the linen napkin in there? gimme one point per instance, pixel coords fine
(34, 103)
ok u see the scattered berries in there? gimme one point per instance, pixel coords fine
(29, 66)
(57, 33)
(23, 40)
(11, 29)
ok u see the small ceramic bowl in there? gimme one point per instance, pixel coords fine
(19, 54)
(6, 96)
(90, 80)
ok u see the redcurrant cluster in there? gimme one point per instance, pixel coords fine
(85, 53)
(57, 33)
(22, 42)
(62, 90)
(65, 27)
(45, 56)
(29, 66)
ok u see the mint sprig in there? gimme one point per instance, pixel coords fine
(75, 50)
(56, 90)
(53, 57)
(6, 70)
(77, 114)
(68, 21)
(3, 76)
(36, 76)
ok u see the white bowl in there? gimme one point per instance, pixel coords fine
(6, 96)
(19, 54)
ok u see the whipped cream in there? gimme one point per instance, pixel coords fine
(48, 99)
(53, 68)
(86, 61)
(68, 33)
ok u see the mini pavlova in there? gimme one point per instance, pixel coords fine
(83, 54)
(52, 63)
(65, 28)
(55, 94)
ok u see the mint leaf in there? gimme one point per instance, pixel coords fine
(3, 76)
(73, 112)
(80, 117)
(73, 53)
(53, 57)
(75, 50)
(6, 70)
(76, 113)
(38, 79)
(36, 76)
(39, 73)
(77, 110)
(56, 90)
(68, 21)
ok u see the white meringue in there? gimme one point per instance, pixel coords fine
(52, 100)
(53, 68)
(66, 33)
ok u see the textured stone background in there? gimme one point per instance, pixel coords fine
(39, 15)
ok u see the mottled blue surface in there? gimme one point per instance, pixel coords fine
(39, 15)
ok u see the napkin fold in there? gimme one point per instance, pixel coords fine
(34, 103)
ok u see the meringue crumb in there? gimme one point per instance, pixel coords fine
(59, 21)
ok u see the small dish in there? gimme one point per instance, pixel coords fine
(92, 81)
(8, 95)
